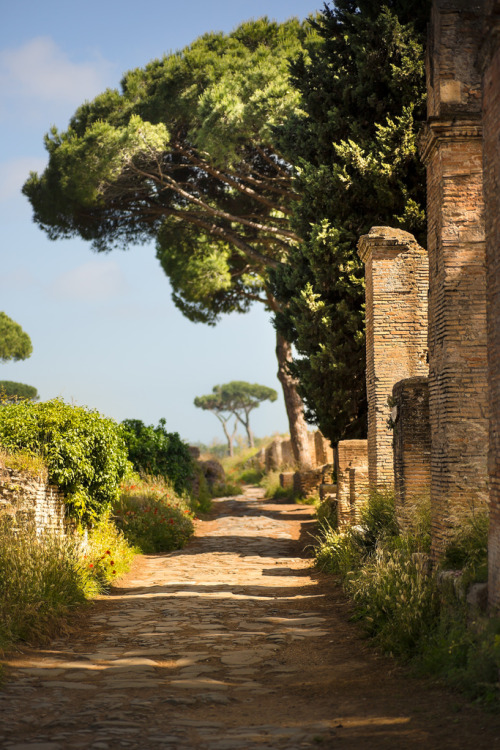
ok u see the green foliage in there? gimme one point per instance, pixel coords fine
(12, 392)
(107, 555)
(355, 145)
(226, 489)
(84, 452)
(14, 342)
(152, 517)
(467, 548)
(184, 154)
(402, 605)
(250, 476)
(156, 452)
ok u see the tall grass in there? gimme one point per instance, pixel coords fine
(43, 577)
(400, 602)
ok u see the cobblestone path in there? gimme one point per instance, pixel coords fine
(232, 643)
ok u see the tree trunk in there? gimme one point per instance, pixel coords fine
(293, 404)
(229, 438)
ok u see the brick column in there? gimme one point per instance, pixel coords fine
(452, 151)
(491, 164)
(396, 274)
(412, 447)
(350, 455)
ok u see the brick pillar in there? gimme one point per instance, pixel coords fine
(490, 59)
(396, 274)
(412, 447)
(452, 150)
(350, 454)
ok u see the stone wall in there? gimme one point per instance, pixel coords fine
(396, 274)
(452, 151)
(351, 455)
(490, 64)
(32, 499)
(412, 446)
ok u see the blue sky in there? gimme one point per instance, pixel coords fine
(104, 330)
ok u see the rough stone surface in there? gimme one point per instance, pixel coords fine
(234, 643)
(412, 447)
(452, 151)
(32, 499)
(397, 281)
(491, 166)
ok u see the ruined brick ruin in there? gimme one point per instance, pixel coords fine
(452, 152)
(30, 499)
(412, 447)
(396, 277)
(489, 61)
(352, 480)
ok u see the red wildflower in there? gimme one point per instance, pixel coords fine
(91, 565)
(111, 562)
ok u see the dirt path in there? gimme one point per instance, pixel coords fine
(233, 643)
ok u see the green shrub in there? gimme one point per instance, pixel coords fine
(152, 517)
(156, 452)
(250, 476)
(106, 556)
(84, 451)
(467, 548)
(226, 489)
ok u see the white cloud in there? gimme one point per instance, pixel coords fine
(96, 281)
(14, 173)
(40, 69)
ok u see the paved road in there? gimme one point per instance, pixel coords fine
(232, 643)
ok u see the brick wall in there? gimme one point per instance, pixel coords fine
(32, 499)
(412, 447)
(452, 151)
(491, 165)
(396, 274)
(351, 455)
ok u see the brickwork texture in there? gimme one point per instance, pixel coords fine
(452, 151)
(412, 447)
(396, 275)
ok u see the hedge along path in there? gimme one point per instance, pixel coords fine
(232, 643)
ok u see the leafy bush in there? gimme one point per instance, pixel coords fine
(107, 555)
(85, 453)
(152, 517)
(251, 476)
(156, 452)
(226, 489)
